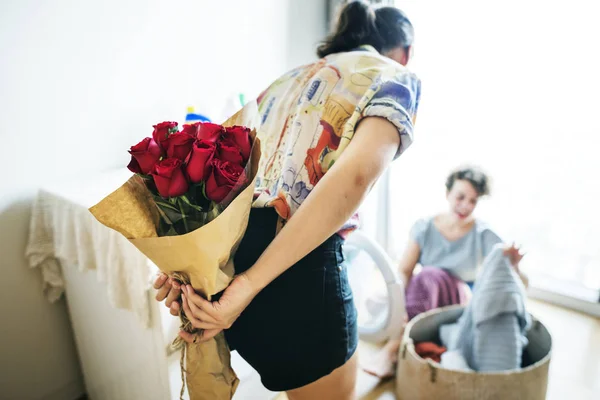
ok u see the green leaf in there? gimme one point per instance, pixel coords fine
(187, 201)
(171, 231)
(167, 205)
(187, 229)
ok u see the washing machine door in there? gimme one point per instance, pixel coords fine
(378, 292)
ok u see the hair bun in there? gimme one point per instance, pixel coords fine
(359, 23)
(355, 27)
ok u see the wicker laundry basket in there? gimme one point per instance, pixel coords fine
(418, 379)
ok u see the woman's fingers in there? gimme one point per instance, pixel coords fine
(160, 280)
(164, 290)
(174, 309)
(167, 289)
(174, 293)
(199, 301)
(186, 336)
(196, 323)
(511, 250)
(514, 254)
(199, 314)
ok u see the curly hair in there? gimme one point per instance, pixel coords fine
(474, 175)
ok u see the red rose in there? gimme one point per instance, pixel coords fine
(179, 145)
(228, 151)
(224, 177)
(191, 129)
(209, 132)
(143, 156)
(162, 132)
(199, 164)
(169, 178)
(240, 135)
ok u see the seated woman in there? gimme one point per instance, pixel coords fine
(450, 247)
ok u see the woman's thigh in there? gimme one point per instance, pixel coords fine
(339, 385)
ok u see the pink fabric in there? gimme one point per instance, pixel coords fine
(433, 288)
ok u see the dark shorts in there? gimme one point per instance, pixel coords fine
(303, 325)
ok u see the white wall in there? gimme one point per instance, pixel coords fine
(80, 82)
(307, 27)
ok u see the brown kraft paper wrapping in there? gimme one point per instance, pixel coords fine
(204, 255)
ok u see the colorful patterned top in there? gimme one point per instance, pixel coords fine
(309, 116)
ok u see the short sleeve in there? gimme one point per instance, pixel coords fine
(418, 232)
(397, 100)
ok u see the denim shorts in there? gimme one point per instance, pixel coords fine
(303, 325)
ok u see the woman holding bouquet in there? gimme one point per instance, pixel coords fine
(328, 131)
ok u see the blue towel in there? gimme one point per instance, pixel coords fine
(491, 333)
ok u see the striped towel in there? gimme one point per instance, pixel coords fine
(433, 288)
(491, 333)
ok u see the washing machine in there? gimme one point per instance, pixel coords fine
(377, 288)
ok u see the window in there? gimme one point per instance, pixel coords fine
(514, 87)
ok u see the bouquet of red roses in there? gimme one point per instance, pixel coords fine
(187, 208)
(193, 173)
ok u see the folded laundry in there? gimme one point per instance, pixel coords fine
(454, 360)
(491, 333)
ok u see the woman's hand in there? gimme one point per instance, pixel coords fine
(168, 290)
(514, 255)
(212, 317)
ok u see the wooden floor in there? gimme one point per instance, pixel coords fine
(575, 365)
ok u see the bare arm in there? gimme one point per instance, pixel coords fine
(333, 200)
(329, 205)
(409, 261)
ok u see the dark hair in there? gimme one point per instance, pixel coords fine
(384, 28)
(474, 175)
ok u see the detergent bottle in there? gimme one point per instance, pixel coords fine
(192, 117)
